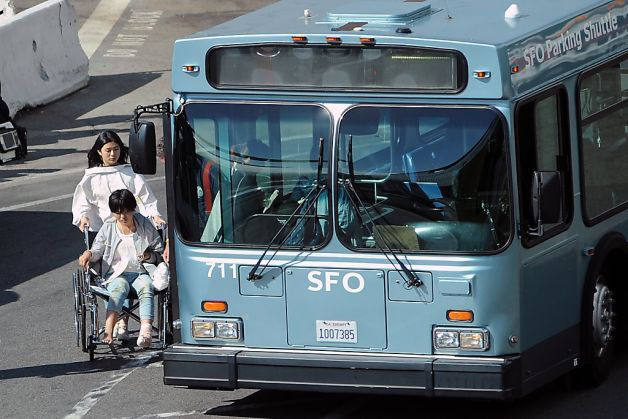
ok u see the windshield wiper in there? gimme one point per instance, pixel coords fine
(318, 188)
(407, 275)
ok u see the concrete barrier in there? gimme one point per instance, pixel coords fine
(6, 9)
(41, 58)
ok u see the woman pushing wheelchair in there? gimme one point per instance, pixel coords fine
(108, 171)
(123, 244)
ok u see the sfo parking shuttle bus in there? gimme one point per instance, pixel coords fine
(416, 197)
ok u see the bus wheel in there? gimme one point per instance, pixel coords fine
(600, 339)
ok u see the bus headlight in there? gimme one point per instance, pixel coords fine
(472, 340)
(218, 329)
(227, 330)
(446, 339)
(203, 329)
(460, 338)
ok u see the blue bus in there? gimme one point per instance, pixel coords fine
(404, 197)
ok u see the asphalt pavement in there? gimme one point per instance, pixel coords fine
(42, 372)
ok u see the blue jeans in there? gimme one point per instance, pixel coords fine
(120, 287)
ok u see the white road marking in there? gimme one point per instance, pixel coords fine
(166, 415)
(37, 177)
(138, 21)
(83, 407)
(38, 202)
(99, 24)
(54, 198)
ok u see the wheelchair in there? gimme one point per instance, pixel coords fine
(88, 290)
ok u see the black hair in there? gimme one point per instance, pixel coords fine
(94, 159)
(256, 150)
(122, 200)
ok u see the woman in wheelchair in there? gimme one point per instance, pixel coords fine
(123, 244)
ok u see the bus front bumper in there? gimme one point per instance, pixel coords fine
(232, 368)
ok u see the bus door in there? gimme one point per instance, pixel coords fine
(549, 277)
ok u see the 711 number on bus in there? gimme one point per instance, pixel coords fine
(222, 268)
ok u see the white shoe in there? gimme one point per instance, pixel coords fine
(145, 337)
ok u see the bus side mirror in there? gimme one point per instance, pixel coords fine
(546, 199)
(143, 148)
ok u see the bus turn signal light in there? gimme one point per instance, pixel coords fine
(460, 315)
(214, 306)
(299, 39)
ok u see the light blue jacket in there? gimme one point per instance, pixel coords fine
(108, 239)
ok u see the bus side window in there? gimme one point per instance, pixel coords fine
(543, 145)
(603, 97)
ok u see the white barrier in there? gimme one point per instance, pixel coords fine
(41, 58)
(6, 9)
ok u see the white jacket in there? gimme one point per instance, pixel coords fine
(91, 196)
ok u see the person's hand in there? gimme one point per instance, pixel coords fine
(84, 259)
(166, 254)
(158, 220)
(83, 223)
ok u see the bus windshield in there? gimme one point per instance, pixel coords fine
(423, 179)
(243, 169)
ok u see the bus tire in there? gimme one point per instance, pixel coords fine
(598, 331)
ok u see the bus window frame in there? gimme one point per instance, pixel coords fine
(588, 221)
(509, 173)
(562, 95)
(175, 155)
(462, 68)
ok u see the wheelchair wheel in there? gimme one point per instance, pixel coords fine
(83, 328)
(91, 346)
(77, 307)
(82, 311)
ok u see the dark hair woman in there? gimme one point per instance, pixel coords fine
(108, 172)
(108, 150)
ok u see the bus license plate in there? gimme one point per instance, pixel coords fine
(337, 331)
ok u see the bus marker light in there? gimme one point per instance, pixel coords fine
(191, 69)
(460, 315)
(203, 329)
(482, 74)
(333, 40)
(214, 306)
(367, 41)
(299, 39)
(514, 69)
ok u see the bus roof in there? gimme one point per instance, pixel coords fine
(519, 46)
(468, 21)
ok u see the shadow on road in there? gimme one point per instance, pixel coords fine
(103, 362)
(33, 244)
(64, 119)
(557, 400)
(18, 169)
